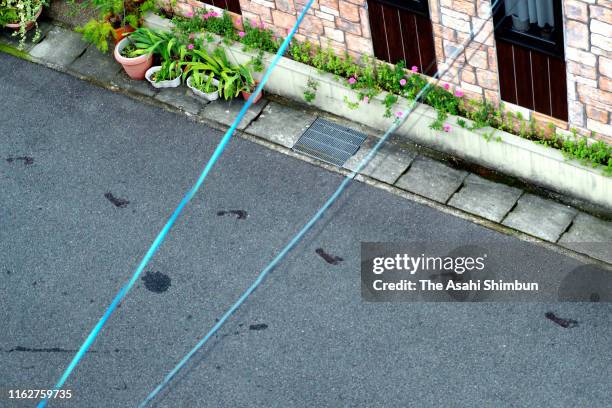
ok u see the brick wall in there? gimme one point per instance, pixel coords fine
(342, 24)
(475, 70)
(588, 49)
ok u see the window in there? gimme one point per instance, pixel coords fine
(401, 31)
(529, 42)
(230, 5)
(535, 24)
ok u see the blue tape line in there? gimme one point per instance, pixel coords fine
(295, 240)
(177, 212)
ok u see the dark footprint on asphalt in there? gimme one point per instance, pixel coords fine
(27, 160)
(240, 214)
(565, 323)
(117, 202)
(257, 327)
(156, 282)
(330, 259)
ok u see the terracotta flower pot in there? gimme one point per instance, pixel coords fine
(134, 67)
(121, 32)
(246, 95)
(29, 25)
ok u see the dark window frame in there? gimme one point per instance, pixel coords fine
(229, 5)
(553, 47)
(416, 6)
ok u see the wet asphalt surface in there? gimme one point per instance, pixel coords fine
(88, 178)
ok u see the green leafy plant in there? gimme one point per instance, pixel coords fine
(232, 79)
(113, 14)
(204, 83)
(390, 101)
(8, 15)
(147, 41)
(301, 51)
(171, 51)
(311, 90)
(208, 21)
(483, 114)
(438, 124)
(352, 105)
(257, 37)
(97, 32)
(257, 62)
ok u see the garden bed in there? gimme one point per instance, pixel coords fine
(482, 145)
(504, 152)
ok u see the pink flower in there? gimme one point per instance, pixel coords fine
(214, 14)
(352, 80)
(253, 23)
(262, 26)
(189, 14)
(366, 99)
(402, 82)
(190, 47)
(241, 34)
(191, 36)
(459, 93)
(239, 21)
(399, 114)
(414, 69)
(446, 127)
(447, 86)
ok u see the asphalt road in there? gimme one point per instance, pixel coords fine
(65, 250)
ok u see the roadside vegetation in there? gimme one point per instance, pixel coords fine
(190, 49)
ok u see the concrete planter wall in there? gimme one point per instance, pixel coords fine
(507, 153)
(155, 22)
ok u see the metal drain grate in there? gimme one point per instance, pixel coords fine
(329, 142)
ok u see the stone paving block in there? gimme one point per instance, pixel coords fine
(123, 81)
(181, 98)
(94, 64)
(281, 124)
(485, 198)
(590, 235)
(540, 217)
(432, 179)
(389, 163)
(60, 47)
(225, 112)
(6, 36)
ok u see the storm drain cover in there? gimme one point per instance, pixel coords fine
(329, 142)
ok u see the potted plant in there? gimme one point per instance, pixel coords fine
(248, 83)
(204, 86)
(168, 74)
(117, 19)
(217, 64)
(135, 61)
(21, 16)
